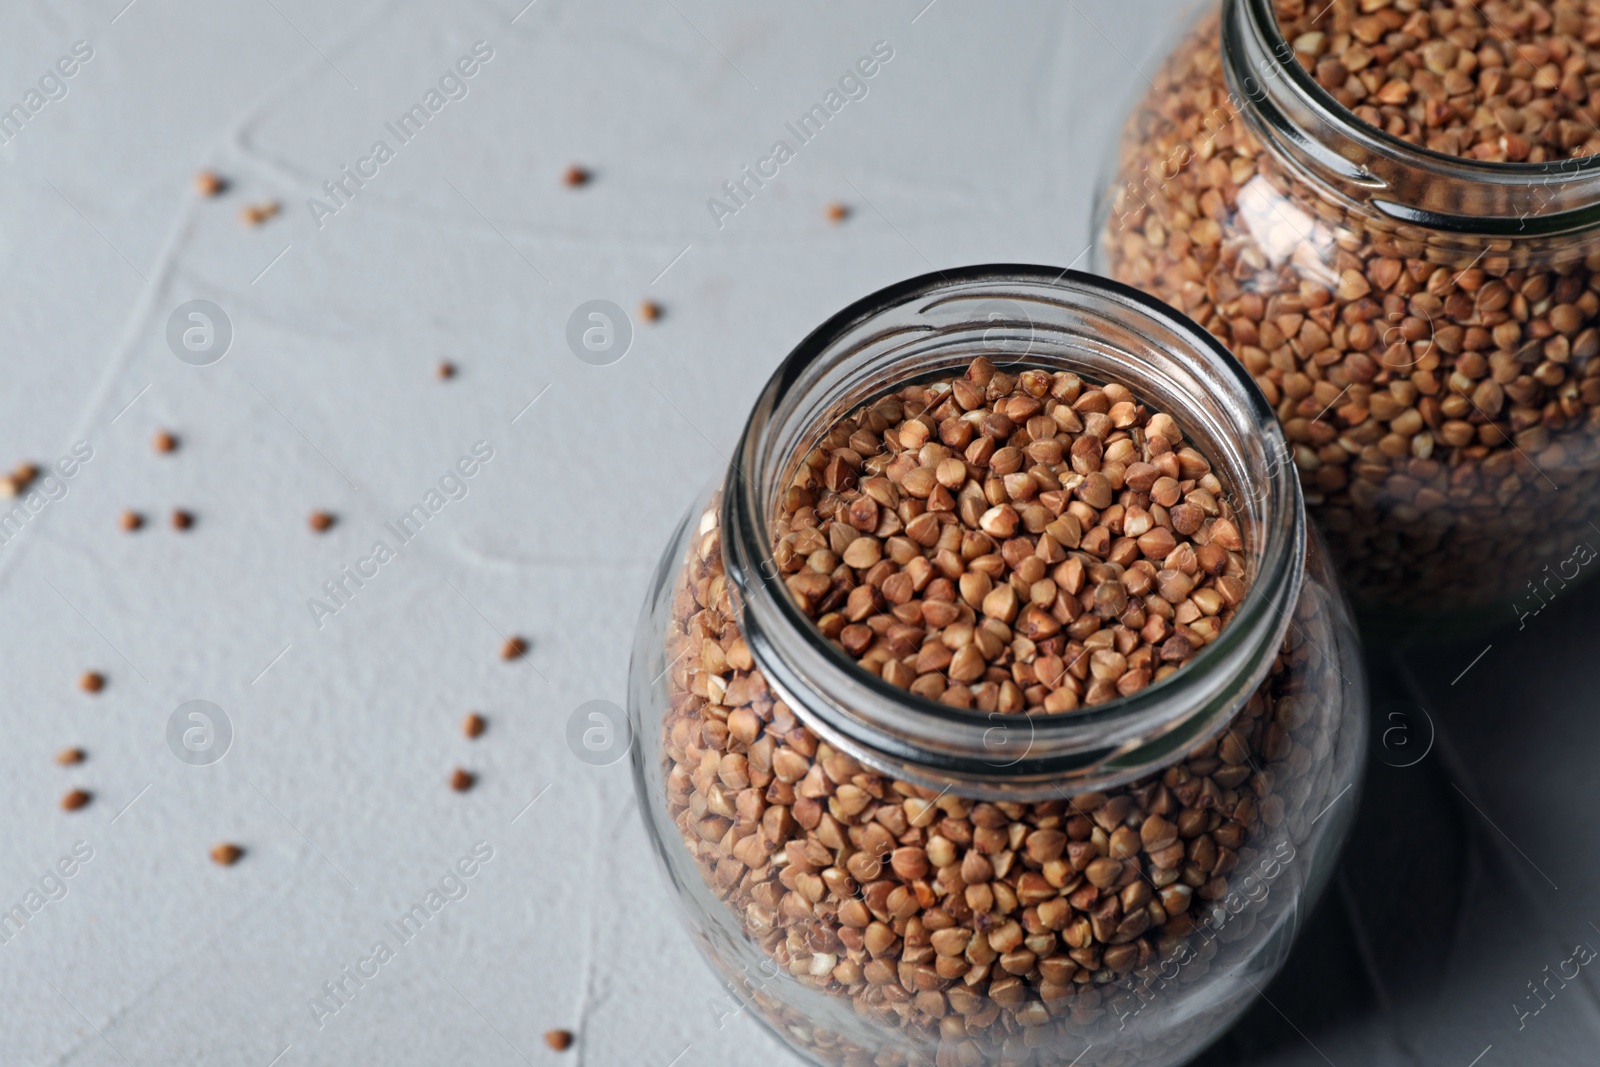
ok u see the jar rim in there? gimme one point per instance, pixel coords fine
(1408, 182)
(927, 741)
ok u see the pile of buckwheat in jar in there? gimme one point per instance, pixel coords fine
(1025, 542)
(1509, 82)
(1442, 397)
(1011, 542)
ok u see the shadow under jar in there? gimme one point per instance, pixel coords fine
(890, 880)
(1424, 324)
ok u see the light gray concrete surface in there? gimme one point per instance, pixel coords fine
(980, 140)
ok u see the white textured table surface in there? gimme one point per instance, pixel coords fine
(980, 140)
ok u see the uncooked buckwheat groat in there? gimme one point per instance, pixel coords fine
(1012, 542)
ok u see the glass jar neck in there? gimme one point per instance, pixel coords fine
(1020, 317)
(1303, 125)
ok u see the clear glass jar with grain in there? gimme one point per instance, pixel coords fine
(888, 873)
(1390, 213)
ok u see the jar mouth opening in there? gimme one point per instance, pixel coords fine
(1029, 316)
(1523, 199)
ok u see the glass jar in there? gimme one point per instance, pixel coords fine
(888, 880)
(1424, 325)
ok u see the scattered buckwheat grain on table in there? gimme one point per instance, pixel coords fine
(208, 183)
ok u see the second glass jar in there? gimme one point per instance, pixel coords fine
(1425, 326)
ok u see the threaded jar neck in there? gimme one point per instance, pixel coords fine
(1303, 125)
(1020, 317)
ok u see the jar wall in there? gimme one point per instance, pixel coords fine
(872, 921)
(1440, 392)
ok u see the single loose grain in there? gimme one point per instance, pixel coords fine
(649, 311)
(76, 799)
(1012, 542)
(164, 441)
(69, 756)
(462, 780)
(473, 725)
(576, 176)
(92, 682)
(514, 648)
(446, 369)
(836, 212)
(256, 214)
(130, 521)
(181, 520)
(208, 183)
(18, 480)
(320, 521)
(226, 854)
(559, 1040)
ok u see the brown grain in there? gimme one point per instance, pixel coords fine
(514, 648)
(68, 756)
(209, 183)
(256, 214)
(226, 854)
(576, 176)
(130, 520)
(473, 725)
(164, 441)
(92, 682)
(462, 780)
(320, 521)
(74, 800)
(181, 520)
(559, 1040)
